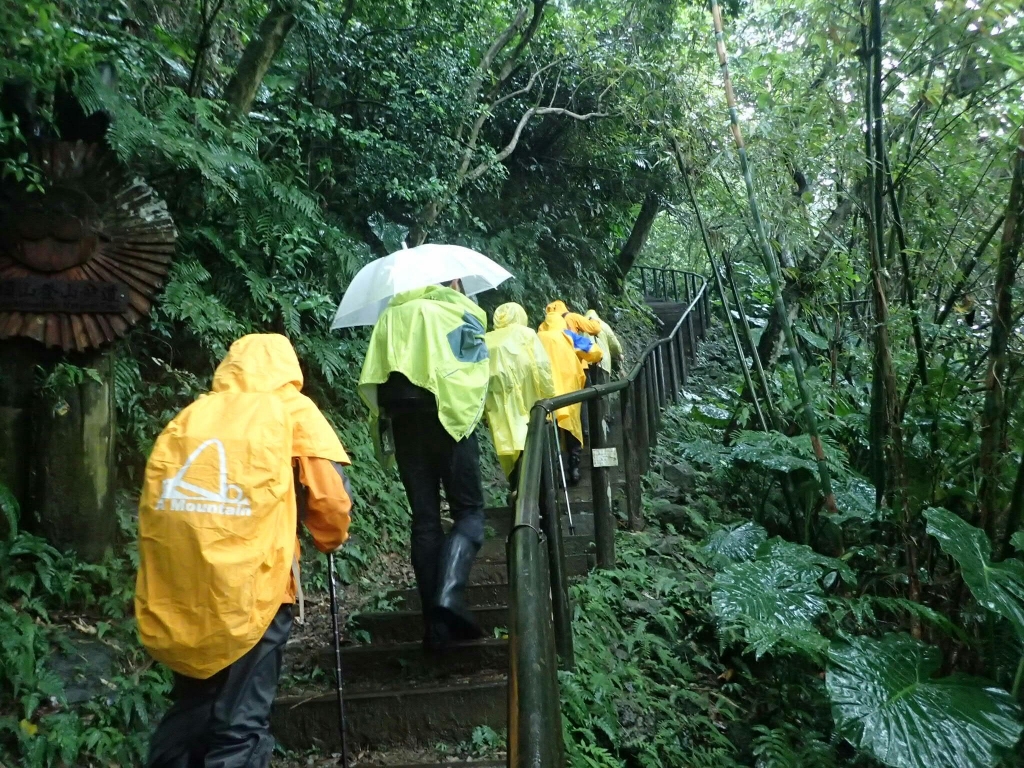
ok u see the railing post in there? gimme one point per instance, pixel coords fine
(652, 409)
(551, 523)
(689, 320)
(643, 281)
(643, 400)
(675, 287)
(629, 402)
(663, 396)
(681, 354)
(671, 381)
(600, 482)
(707, 308)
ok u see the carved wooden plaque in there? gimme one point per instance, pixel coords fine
(81, 261)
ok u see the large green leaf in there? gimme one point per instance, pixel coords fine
(804, 558)
(855, 499)
(734, 545)
(997, 586)
(771, 603)
(885, 701)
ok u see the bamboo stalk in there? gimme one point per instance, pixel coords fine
(773, 412)
(748, 382)
(771, 267)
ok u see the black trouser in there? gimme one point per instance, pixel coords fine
(224, 721)
(428, 457)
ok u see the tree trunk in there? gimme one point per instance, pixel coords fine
(886, 438)
(637, 238)
(993, 515)
(258, 56)
(58, 448)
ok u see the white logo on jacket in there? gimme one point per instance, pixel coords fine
(228, 499)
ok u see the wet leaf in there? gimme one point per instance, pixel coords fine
(885, 701)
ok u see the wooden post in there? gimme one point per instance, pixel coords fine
(690, 333)
(681, 349)
(600, 480)
(642, 422)
(673, 370)
(628, 403)
(652, 409)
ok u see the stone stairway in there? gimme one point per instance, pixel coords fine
(399, 698)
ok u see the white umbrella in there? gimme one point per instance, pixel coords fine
(377, 282)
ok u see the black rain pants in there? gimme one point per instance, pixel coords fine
(224, 721)
(429, 458)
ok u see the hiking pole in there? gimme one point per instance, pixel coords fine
(337, 656)
(561, 468)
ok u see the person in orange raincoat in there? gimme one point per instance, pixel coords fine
(558, 333)
(218, 552)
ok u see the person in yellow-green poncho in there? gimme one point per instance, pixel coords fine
(557, 333)
(426, 372)
(520, 376)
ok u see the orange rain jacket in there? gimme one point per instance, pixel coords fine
(218, 550)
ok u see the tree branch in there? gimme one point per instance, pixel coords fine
(509, 148)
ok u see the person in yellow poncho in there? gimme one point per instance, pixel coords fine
(426, 371)
(611, 349)
(218, 553)
(557, 332)
(520, 376)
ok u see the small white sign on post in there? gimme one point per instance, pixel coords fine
(605, 457)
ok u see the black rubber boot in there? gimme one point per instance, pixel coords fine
(456, 563)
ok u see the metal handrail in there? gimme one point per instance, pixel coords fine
(540, 629)
(651, 276)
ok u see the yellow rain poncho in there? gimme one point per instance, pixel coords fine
(520, 376)
(611, 349)
(559, 317)
(217, 516)
(434, 337)
(566, 368)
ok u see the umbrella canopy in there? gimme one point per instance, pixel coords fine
(377, 282)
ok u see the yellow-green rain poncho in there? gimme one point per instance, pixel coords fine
(520, 376)
(434, 336)
(566, 368)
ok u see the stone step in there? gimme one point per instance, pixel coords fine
(407, 626)
(494, 547)
(392, 717)
(476, 595)
(393, 663)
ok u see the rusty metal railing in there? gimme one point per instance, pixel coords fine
(540, 624)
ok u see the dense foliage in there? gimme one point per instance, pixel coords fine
(294, 140)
